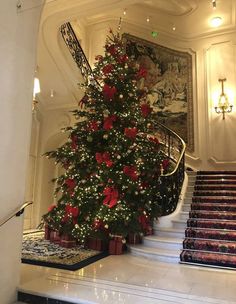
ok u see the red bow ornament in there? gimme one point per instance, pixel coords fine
(145, 109)
(131, 132)
(165, 164)
(108, 122)
(93, 126)
(131, 172)
(70, 184)
(108, 91)
(107, 69)
(154, 140)
(104, 158)
(71, 212)
(111, 196)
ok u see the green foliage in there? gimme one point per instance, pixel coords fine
(112, 164)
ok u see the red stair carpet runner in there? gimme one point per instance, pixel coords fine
(210, 236)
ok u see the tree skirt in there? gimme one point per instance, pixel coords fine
(38, 251)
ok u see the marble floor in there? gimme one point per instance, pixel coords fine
(128, 279)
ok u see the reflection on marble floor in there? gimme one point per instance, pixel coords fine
(127, 279)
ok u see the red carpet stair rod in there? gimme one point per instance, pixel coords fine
(210, 236)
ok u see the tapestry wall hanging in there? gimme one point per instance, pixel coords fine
(169, 77)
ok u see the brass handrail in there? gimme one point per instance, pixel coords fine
(17, 212)
(181, 153)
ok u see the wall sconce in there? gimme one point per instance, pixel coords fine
(223, 103)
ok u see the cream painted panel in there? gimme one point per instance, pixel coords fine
(18, 33)
(222, 133)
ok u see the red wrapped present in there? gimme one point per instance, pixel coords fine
(116, 245)
(134, 238)
(67, 241)
(55, 237)
(97, 244)
(47, 231)
(149, 230)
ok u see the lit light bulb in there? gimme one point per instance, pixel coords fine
(216, 21)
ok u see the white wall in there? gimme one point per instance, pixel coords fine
(18, 33)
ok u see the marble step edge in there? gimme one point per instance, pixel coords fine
(143, 291)
(156, 238)
(155, 251)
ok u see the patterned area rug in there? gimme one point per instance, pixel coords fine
(38, 251)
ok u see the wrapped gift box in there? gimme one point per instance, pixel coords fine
(97, 244)
(67, 241)
(116, 245)
(134, 238)
(55, 237)
(47, 231)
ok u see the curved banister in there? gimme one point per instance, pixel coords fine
(77, 53)
(182, 146)
(17, 212)
(172, 145)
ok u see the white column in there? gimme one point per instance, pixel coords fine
(18, 34)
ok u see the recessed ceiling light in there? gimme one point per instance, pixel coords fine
(216, 21)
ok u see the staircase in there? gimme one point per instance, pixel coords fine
(210, 236)
(166, 243)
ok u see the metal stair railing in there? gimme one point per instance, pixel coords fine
(171, 183)
(17, 212)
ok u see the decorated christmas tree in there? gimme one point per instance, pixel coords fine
(112, 160)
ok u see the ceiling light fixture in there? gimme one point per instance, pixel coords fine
(148, 19)
(216, 21)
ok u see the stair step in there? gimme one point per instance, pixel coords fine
(210, 245)
(186, 207)
(210, 223)
(213, 207)
(226, 187)
(217, 177)
(155, 241)
(184, 215)
(209, 214)
(169, 232)
(208, 258)
(157, 254)
(215, 182)
(208, 233)
(179, 223)
(222, 172)
(214, 199)
(214, 193)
